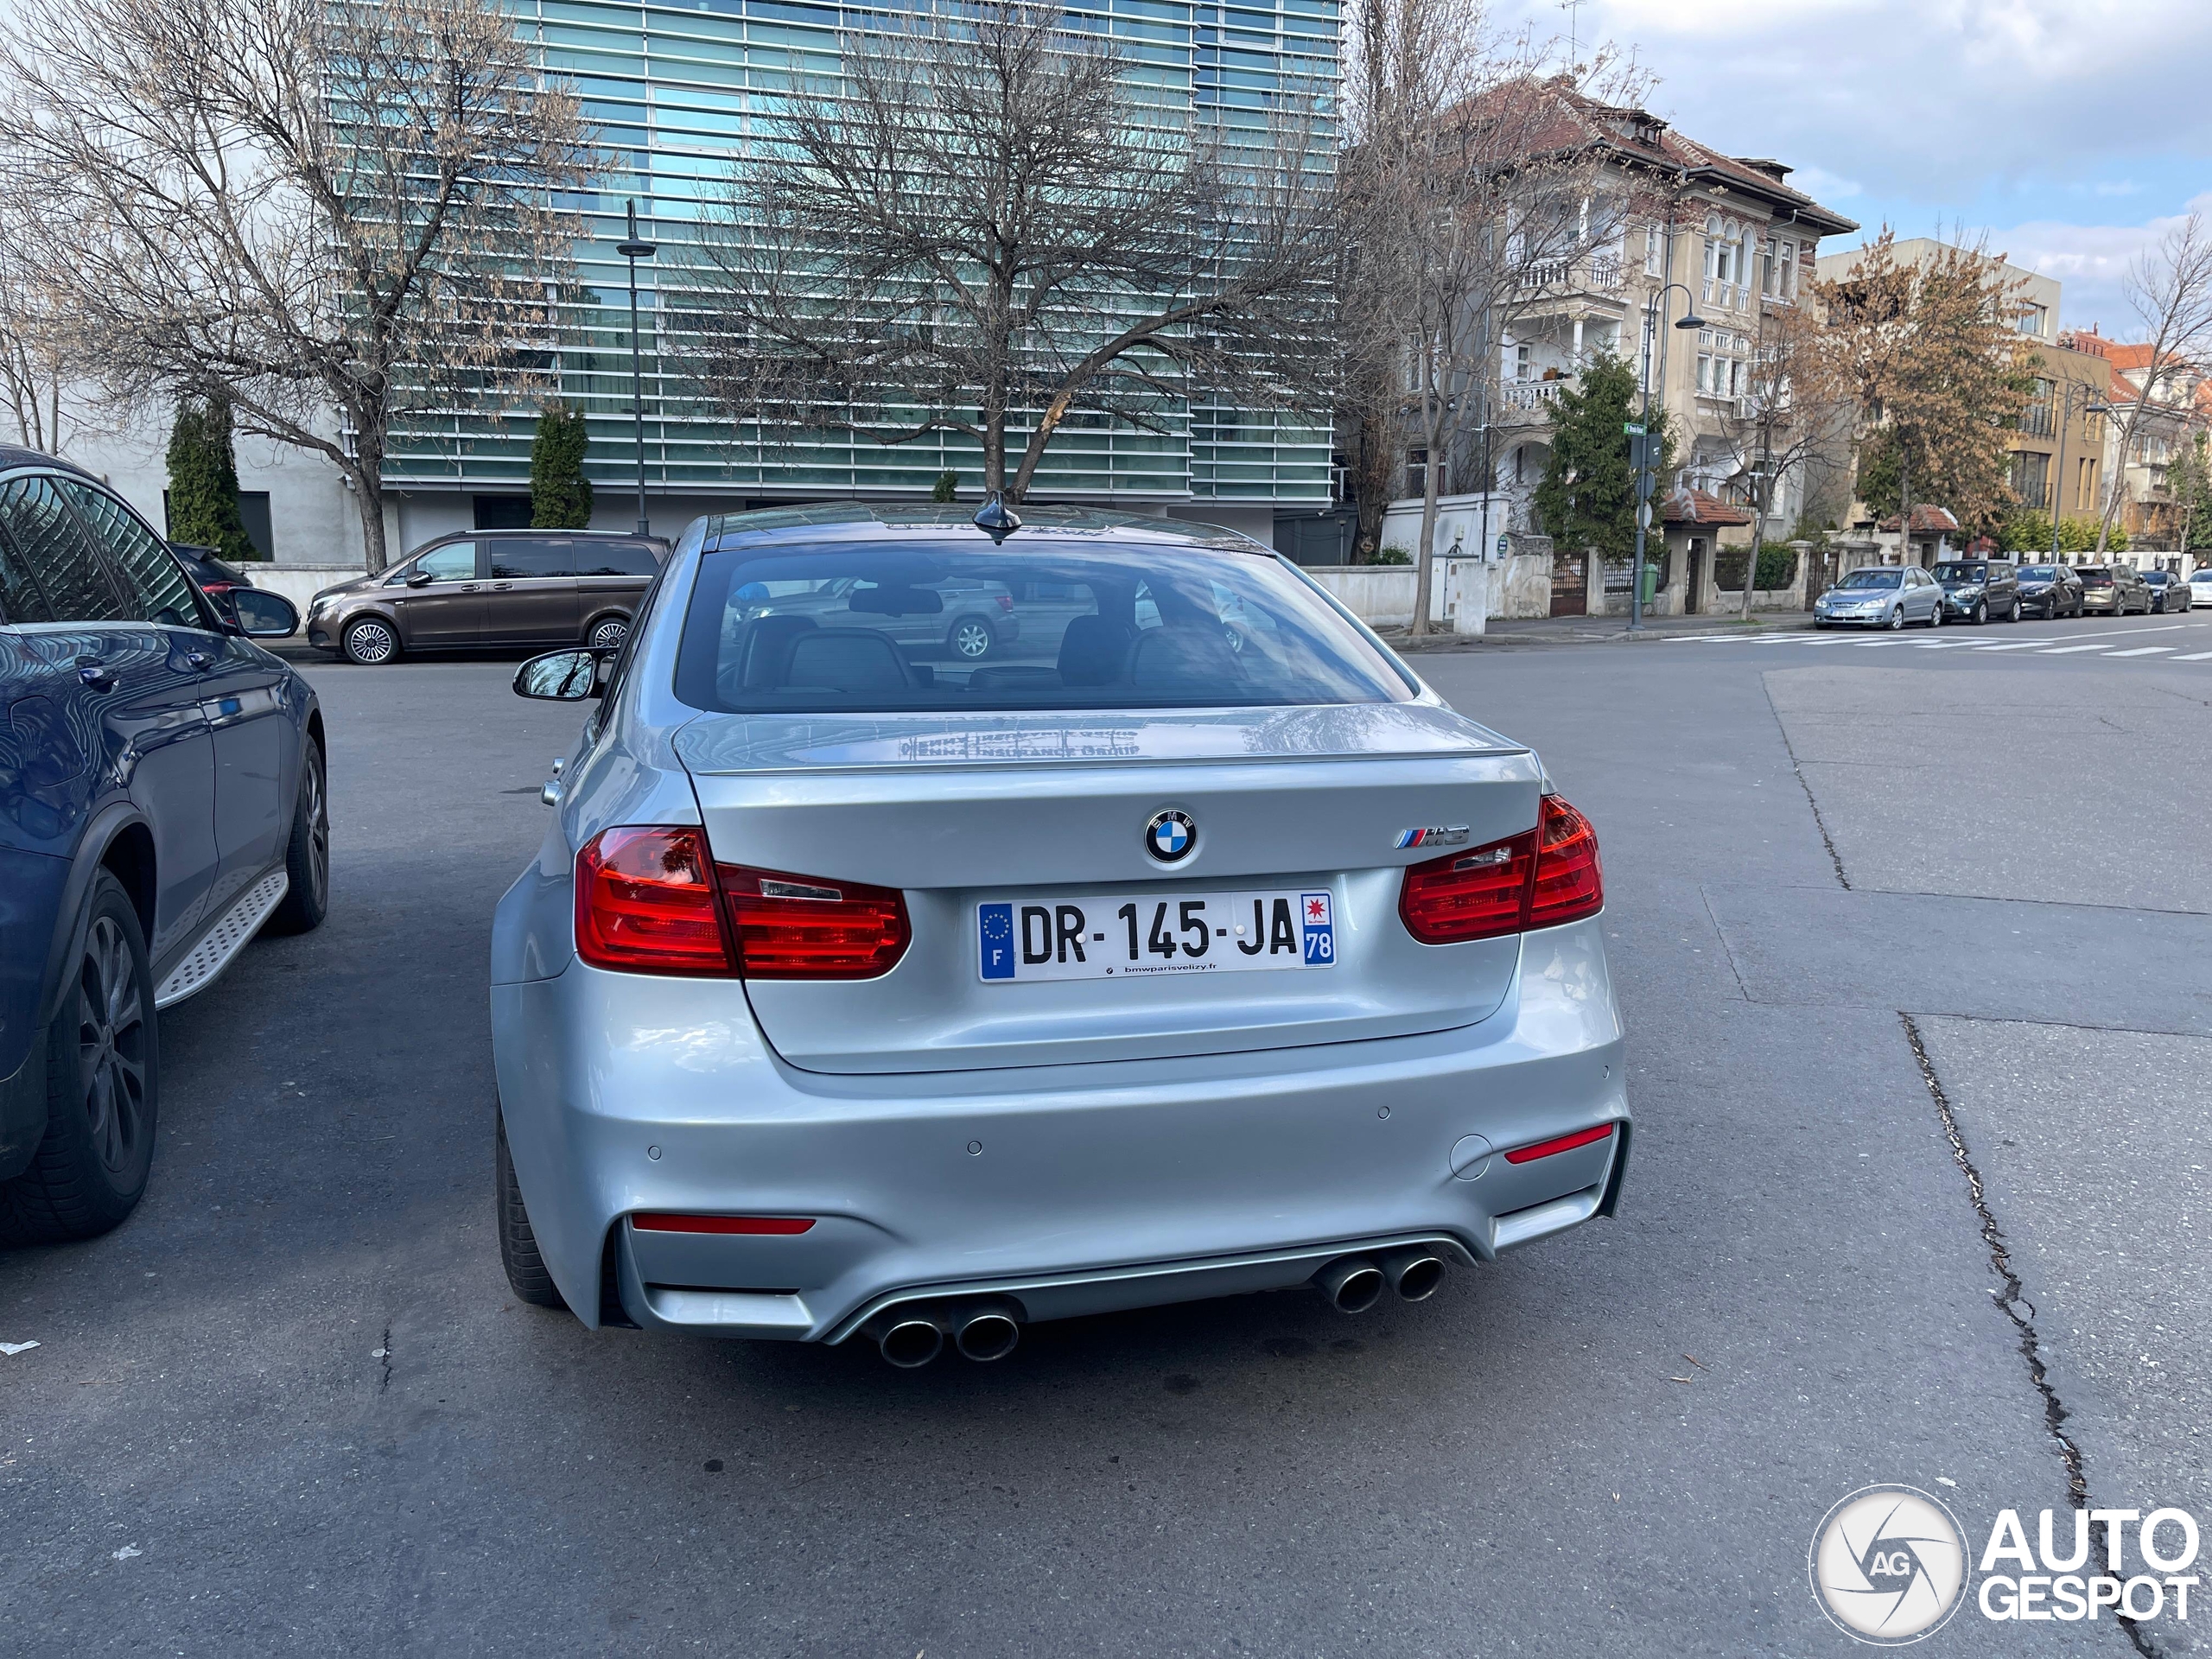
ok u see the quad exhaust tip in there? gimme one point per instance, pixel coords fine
(1352, 1285)
(1356, 1283)
(982, 1331)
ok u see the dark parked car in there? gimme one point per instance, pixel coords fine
(1976, 589)
(161, 798)
(237, 599)
(2168, 592)
(491, 587)
(213, 574)
(2115, 589)
(2051, 590)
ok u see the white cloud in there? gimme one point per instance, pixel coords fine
(2089, 262)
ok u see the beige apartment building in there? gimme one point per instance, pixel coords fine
(1725, 238)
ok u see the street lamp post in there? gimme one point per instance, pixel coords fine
(633, 250)
(1655, 311)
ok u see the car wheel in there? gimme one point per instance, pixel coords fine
(1981, 614)
(1936, 615)
(971, 638)
(607, 634)
(103, 1084)
(370, 641)
(1897, 618)
(307, 856)
(526, 1274)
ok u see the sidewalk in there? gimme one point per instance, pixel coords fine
(1543, 633)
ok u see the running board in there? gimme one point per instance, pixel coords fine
(224, 940)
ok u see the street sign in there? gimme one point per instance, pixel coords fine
(1502, 544)
(1634, 429)
(1643, 515)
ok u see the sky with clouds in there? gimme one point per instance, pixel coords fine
(2070, 132)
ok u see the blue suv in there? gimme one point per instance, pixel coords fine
(162, 797)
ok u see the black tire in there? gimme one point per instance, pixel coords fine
(971, 638)
(369, 641)
(607, 634)
(1981, 614)
(526, 1274)
(307, 854)
(103, 1087)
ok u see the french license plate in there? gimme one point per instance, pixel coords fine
(1118, 938)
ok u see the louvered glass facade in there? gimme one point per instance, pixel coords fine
(677, 92)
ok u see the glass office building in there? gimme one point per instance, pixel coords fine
(676, 91)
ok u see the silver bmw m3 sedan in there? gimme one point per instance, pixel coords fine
(1184, 945)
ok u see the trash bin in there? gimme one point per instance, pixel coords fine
(1650, 581)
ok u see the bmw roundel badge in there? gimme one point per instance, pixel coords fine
(1170, 837)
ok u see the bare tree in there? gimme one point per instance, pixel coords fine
(35, 368)
(986, 225)
(2169, 290)
(332, 213)
(1930, 355)
(1796, 414)
(1470, 188)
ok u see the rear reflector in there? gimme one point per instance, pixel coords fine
(811, 927)
(646, 903)
(1565, 1143)
(653, 1221)
(1541, 879)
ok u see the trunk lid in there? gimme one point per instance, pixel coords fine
(1044, 810)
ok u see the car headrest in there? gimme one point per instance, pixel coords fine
(846, 659)
(1092, 651)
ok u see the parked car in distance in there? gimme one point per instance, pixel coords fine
(2200, 584)
(1881, 596)
(490, 587)
(856, 996)
(971, 621)
(263, 616)
(2049, 590)
(2169, 593)
(1976, 589)
(2114, 590)
(161, 799)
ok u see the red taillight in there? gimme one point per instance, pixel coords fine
(211, 588)
(1568, 885)
(1541, 879)
(652, 1221)
(805, 927)
(1006, 604)
(1564, 1143)
(646, 903)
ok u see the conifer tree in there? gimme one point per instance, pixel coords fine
(560, 494)
(203, 498)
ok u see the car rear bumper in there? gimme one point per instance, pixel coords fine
(1069, 1189)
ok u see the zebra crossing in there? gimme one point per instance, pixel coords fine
(2107, 643)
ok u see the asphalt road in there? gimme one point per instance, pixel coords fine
(290, 1408)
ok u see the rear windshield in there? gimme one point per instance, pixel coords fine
(1872, 579)
(1035, 625)
(2096, 578)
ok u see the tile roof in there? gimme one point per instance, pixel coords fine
(1698, 508)
(1926, 521)
(1636, 136)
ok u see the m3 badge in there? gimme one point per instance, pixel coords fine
(1451, 834)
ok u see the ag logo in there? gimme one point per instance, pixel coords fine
(1889, 1565)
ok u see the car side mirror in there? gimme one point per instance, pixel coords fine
(264, 615)
(559, 677)
(419, 578)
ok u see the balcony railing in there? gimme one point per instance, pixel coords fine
(1599, 273)
(1533, 394)
(2035, 421)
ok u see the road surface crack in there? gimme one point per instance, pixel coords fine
(1819, 823)
(2015, 1303)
